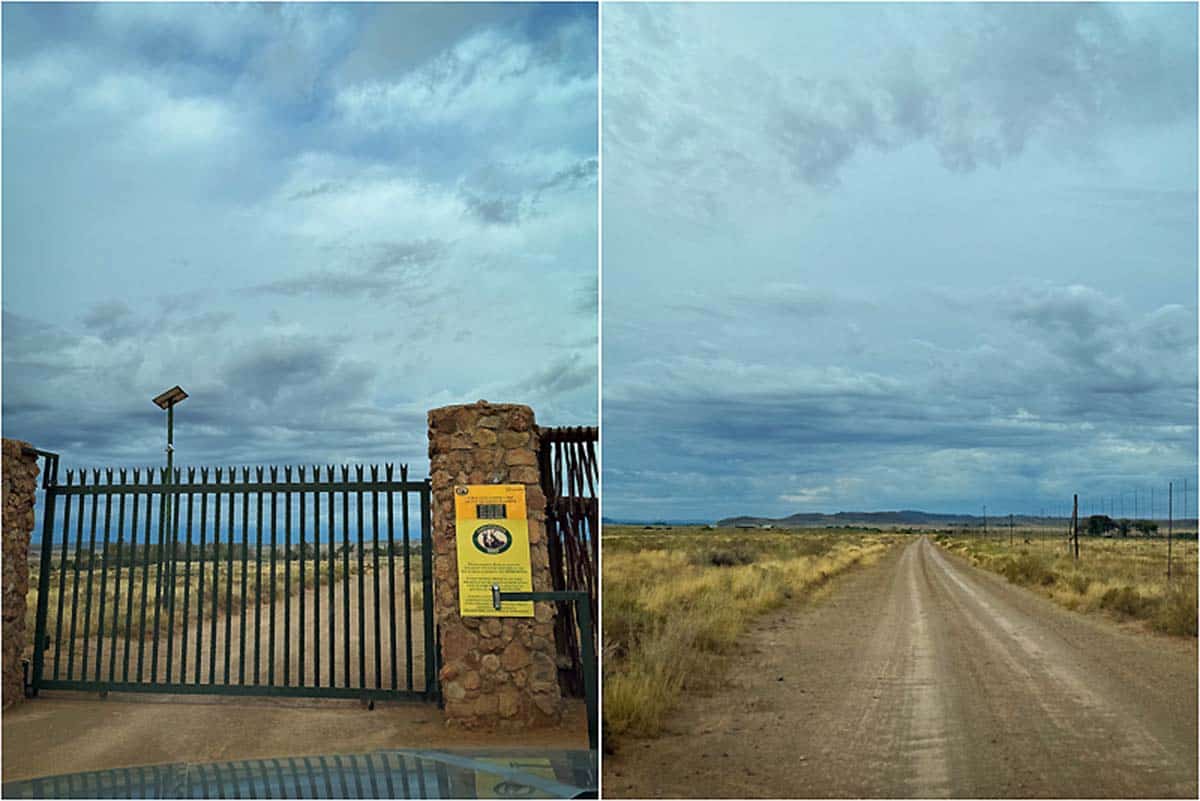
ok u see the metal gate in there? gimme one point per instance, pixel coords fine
(299, 583)
(569, 477)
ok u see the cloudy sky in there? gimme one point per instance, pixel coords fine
(321, 220)
(897, 256)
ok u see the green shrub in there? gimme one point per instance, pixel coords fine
(1176, 613)
(728, 557)
(1126, 601)
(1026, 568)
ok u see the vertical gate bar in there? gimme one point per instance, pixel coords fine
(274, 549)
(112, 649)
(44, 570)
(145, 575)
(391, 555)
(158, 576)
(408, 620)
(583, 614)
(187, 582)
(431, 690)
(104, 574)
(216, 579)
(76, 570)
(362, 578)
(245, 571)
(172, 568)
(62, 576)
(200, 560)
(287, 580)
(303, 598)
(316, 579)
(375, 576)
(332, 578)
(258, 579)
(345, 576)
(87, 609)
(133, 530)
(229, 573)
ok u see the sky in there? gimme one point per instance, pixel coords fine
(321, 220)
(872, 257)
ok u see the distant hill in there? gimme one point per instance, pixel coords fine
(905, 517)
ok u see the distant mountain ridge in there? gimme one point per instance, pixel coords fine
(904, 517)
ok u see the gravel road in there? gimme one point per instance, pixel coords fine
(923, 676)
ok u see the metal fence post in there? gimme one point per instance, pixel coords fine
(49, 481)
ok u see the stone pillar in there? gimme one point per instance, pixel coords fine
(20, 484)
(495, 671)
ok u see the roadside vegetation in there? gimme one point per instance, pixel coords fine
(676, 601)
(1124, 578)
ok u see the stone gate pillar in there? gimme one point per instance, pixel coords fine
(495, 671)
(20, 484)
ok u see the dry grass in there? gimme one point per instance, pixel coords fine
(674, 600)
(1124, 578)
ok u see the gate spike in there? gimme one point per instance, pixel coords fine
(258, 473)
(95, 475)
(388, 471)
(287, 473)
(329, 472)
(70, 475)
(300, 470)
(217, 475)
(246, 474)
(404, 472)
(122, 474)
(108, 475)
(178, 475)
(274, 473)
(191, 475)
(374, 472)
(203, 475)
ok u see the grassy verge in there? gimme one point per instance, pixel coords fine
(674, 600)
(1125, 578)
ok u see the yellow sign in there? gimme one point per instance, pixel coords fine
(500, 785)
(492, 534)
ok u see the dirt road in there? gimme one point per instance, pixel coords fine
(923, 676)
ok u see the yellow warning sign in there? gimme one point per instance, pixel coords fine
(492, 534)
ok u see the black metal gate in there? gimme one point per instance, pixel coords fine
(569, 475)
(211, 581)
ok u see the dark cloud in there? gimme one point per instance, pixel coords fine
(561, 376)
(494, 210)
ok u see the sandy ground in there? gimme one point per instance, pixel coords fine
(922, 676)
(63, 731)
(67, 732)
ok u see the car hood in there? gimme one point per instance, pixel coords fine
(478, 773)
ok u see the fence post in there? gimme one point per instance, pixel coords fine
(19, 491)
(494, 670)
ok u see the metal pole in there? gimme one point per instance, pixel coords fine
(166, 509)
(1170, 515)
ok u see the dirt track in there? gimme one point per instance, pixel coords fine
(923, 676)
